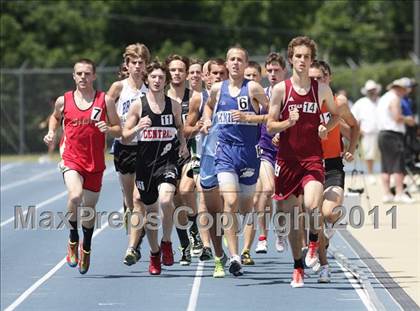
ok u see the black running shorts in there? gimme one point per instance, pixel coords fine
(334, 172)
(148, 179)
(125, 158)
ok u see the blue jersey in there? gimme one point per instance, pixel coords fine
(233, 132)
(209, 141)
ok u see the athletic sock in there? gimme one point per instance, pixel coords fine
(183, 237)
(193, 228)
(87, 238)
(298, 263)
(74, 234)
(313, 237)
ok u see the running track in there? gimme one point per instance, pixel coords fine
(34, 275)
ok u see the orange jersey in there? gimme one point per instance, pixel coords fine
(332, 147)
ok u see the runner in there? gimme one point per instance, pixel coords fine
(87, 116)
(236, 160)
(295, 112)
(334, 153)
(210, 200)
(124, 92)
(156, 119)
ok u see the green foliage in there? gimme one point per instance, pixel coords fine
(382, 73)
(55, 33)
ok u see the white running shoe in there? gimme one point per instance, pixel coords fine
(316, 268)
(311, 257)
(388, 198)
(298, 277)
(261, 247)
(324, 275)
(372, 180)
(281, 242)
(403, 198)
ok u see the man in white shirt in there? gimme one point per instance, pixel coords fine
(364, 110)
(391, 124)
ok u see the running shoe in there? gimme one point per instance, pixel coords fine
(84, 260)
(403, 198)
(167, 253)
(131, 256)
(72, 254)
(235, 266)
(197, 245)
(388, 198)
(219, 270)
(246, 258)
(186, 256)
(297, 279)
(261, 245)
(324, 275)
(206, 254)
(311, 257)
(281, 242)
(155, 267)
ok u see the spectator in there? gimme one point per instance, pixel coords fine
(391, 123)
(364, 110)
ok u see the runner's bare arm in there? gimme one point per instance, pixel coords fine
(209, 107)
(176, 108)
(192, 124)
(115, 90)
(326, 97)
(350, 120)
(132, 125)
(54, 120)
(112, 125)
(273, 124)
(258, 98)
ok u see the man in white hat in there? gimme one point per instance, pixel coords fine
(364, 110)
(391, 123)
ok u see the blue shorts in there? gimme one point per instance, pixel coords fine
(208, 176)
(242, 160)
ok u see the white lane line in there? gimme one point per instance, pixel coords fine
(192, 303)
(46, 202)
(357, 287)
(48, 275)
(28, 180)
(7, 167)
(39, 205)
(370, 271)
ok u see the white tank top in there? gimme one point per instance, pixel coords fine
(385, 120)
(127, 96)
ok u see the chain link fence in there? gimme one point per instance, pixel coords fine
(27, 99)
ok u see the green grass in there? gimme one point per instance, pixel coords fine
(33, 157)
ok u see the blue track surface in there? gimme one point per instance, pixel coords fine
(28, 256)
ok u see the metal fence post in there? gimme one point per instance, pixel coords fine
(353, 66)
(417, 51)
(22, 108)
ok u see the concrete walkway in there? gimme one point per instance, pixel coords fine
(397, 249)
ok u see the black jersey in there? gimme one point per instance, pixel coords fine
(185, 105)
(156, 144)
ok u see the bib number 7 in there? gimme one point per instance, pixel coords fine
(96, 114)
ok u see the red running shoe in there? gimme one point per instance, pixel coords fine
(298, 276)
(311, 258)
(155, 267)
(167, 253)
